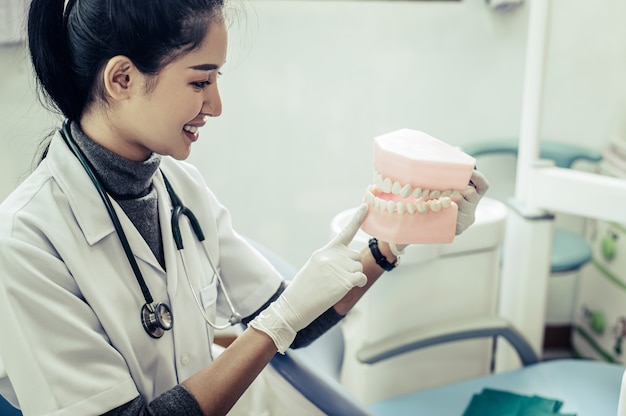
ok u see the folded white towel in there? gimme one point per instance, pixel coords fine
(504, 5)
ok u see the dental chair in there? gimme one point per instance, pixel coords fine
(586, 388)
(570, 250)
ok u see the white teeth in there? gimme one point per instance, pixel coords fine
(426, 200)
(405, 191)
(386, 188)
(205, 119)
(396, 188)
(435, 205)
(190, 129)
(378, 180)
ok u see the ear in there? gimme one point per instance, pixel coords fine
(121, 77)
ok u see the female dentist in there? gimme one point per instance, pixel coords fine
(112, 245)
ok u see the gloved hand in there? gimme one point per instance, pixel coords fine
(325, 278)
(468, 202)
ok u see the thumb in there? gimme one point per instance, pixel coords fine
(346, 235)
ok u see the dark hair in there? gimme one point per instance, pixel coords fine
(70, 43)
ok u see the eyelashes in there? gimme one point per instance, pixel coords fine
(203, 84)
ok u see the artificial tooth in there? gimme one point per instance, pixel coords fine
(425, 193)
(435, 194)
(410, 208)
(447, 192)
(396, 188)
(455, 194)
(435, 205)
(422, 207)
(190, 129)
(400, 207)
(391, 206)
(386, 187)
(406, 191)
(378, 203)
(446, 202)
(378, 180)
(417, 192)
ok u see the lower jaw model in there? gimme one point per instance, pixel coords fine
(421, 208)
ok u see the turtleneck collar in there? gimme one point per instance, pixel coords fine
(122, 178)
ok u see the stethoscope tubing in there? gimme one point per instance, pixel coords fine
(67, 136)
(179, 209)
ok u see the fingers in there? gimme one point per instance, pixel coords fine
(360, 279)
(480, 182)
(353, 275)
(466, 216)
(349, 231)
(470, 195)
(346, 264)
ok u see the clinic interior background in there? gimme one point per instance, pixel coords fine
(308, 84)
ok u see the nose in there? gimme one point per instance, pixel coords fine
(212, 105)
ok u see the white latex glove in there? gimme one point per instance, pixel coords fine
(468, 202)
(325, 278)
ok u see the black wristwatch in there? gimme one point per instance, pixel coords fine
(381, 260)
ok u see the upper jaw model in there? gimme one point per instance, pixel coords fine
(417, 179)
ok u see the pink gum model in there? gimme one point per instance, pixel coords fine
(417, 180)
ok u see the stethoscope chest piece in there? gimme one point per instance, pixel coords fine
(156, 319)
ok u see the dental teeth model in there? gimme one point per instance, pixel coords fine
(417, 180)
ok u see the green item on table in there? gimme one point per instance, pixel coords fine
(491, 402)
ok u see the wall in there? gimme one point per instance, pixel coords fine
(310, 83)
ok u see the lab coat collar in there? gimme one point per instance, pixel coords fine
(90, 213)
(86, 204)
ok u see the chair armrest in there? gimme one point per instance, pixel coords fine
(426, 336)
(322, 390)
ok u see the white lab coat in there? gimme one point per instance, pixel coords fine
(71, 337)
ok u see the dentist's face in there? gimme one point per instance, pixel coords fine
(166, 116)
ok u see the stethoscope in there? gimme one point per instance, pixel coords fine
(156, 318)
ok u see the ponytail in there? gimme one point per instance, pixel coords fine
(50, 56)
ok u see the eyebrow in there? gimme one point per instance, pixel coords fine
(204, 67)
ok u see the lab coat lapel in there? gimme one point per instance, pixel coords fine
(170, 253)
(91, 214)
(140, 247)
